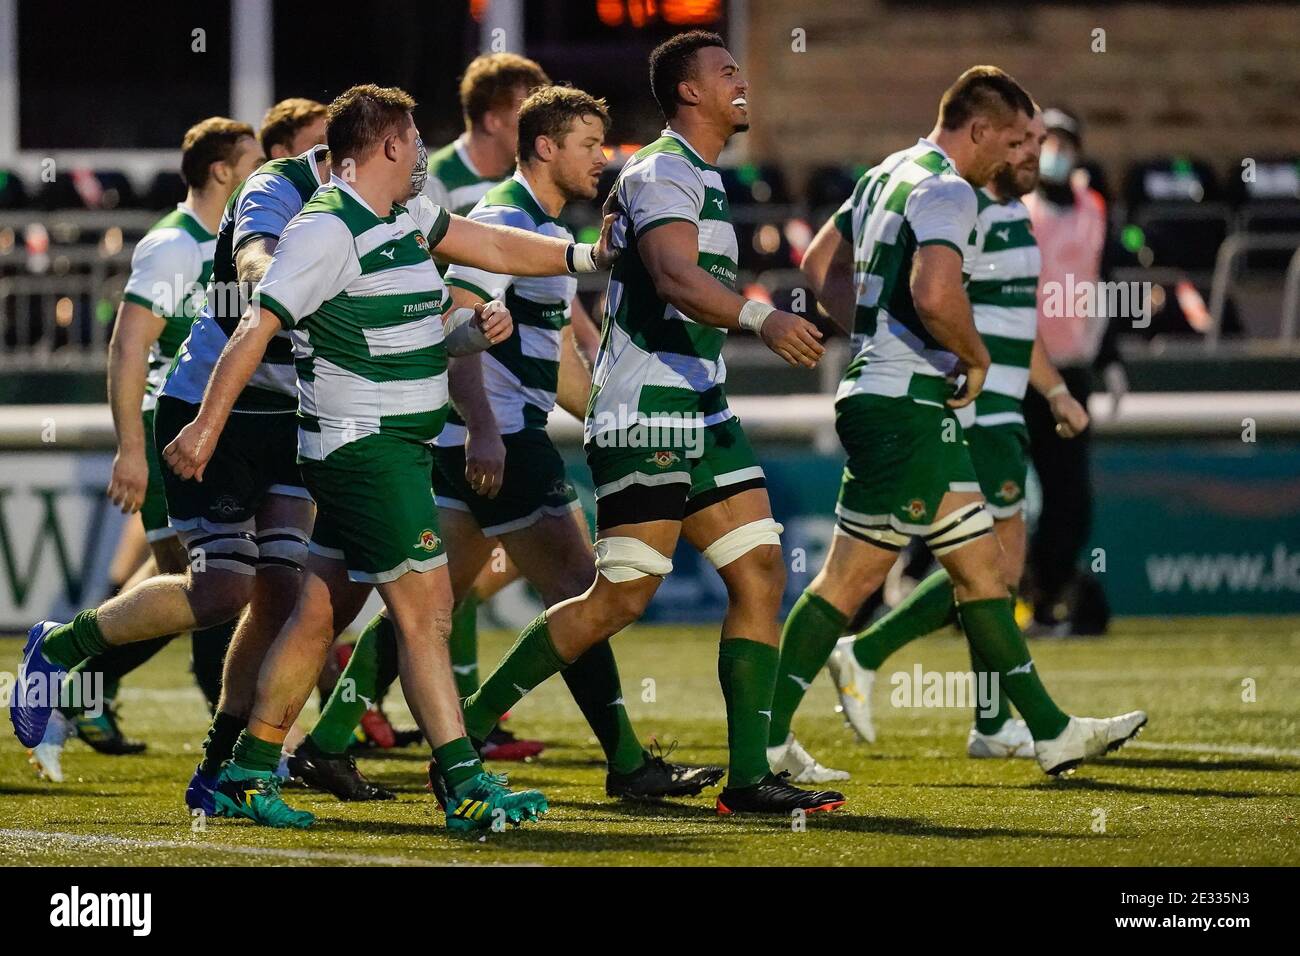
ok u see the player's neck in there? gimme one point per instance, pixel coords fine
(705, 138)
(547, 193)
(377, 194)
(206, 204)
(485, 155)
(954, 144)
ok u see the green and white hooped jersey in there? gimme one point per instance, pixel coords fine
(454, 183)
(170, 269)
(1003, 291)
(521, 374)
(262, 206)
(657, 365)
(912, 199)
(364, 302)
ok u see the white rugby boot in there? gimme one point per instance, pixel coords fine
(1013, 739)
(1085, 738)
(47, 756)
(853, 684)
(800, 764)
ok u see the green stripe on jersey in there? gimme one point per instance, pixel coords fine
(372, 357)
(653, 359)
(1004, 295)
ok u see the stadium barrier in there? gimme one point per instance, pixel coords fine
(1197, 504)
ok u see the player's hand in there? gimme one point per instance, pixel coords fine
(130, 478)
(795, 339)
(190, 451)
(970, 389)
(494, 320)
(485, 461)
(1071, 417)
(604, 251)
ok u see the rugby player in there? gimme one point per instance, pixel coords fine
(897, 266)
(366, 307)
(667, 455)
(246, 526)
(170, 269)
(1002, 291)
(525, 501)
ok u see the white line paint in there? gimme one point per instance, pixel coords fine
(360, 859)
(1240, 750)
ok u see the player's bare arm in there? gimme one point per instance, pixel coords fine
(485, 452)
(136, 330)
(671, 256)
(828, 266)
(584, 333)
(943, 307)
(254, 258)
(189, 452)
(517, 252)
(1071, 417)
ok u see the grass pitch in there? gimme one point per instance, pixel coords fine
(1214, 780)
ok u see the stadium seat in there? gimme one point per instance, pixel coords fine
(1177, 203)
(115, 190)
(13, 195)
(755, 185)
(1266, 193)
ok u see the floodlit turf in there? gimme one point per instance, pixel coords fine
(1213, 780)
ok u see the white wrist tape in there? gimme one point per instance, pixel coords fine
(1057, 389)
(583, 258)
(754, 314)
(462, 334)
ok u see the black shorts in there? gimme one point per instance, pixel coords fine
(534, 484)
(256, 455)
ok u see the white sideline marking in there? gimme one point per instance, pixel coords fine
(1241, 750)
(92, 840)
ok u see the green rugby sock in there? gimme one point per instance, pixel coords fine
(809, 636)
(1001, 710)
(463, 645)
(70, 644)
(253, 753)
(990, 627)
(593, 682)
(747, 672)
(219, 745)
(930, 606)
(358, 683)
(458, 763)
(532, 659)
(114, 663)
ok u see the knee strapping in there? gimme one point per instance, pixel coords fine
(958, 528)
(742, 540)
(622, 559)
(222, 547)
(282, 548)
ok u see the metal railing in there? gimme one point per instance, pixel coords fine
(1230, 253)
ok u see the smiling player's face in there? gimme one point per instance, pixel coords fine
(723, 89)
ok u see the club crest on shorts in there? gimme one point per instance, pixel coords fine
(916, 509)
(664, 458)
(1009, 490)
(428, 541)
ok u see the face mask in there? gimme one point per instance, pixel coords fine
(420, 171)
(1054, 166)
